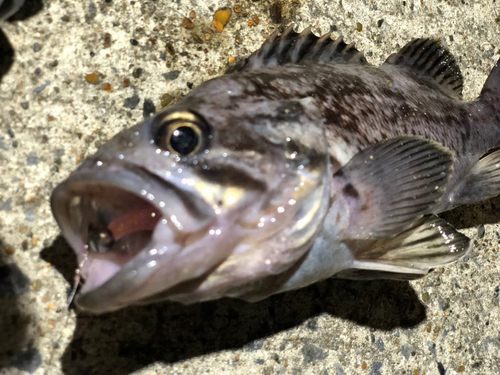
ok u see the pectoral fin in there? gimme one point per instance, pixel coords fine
(389, 185)
(431, 243)
(482, 182)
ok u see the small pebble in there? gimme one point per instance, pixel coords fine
(429, 327)
(107, 40)
(221, 17)
(192, 14)
(237, 9)
(256, 20)
(92, 54)
(50, 118)
(126, 82)
(425, 297)
(480, 231)
(10, 250)
(250, 23)
(239, 41)
(461, 369)
(134, 42)
(53, 64)
(37, 47)
(148, 109)
(379, 24)
(51, 306)
(170, 76)
(107, 87)
(188, 24)
(207, 36)
(37, 285)
(275, 11)
(364, 366)
(25, 105)
(65, 18)
(170, 49)
(166, 99)
(92, 78)
(189, 85)
(51, 324)
(137, 73)
(230, 59)
(359, 27)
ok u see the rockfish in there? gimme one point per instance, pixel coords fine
(302, 162)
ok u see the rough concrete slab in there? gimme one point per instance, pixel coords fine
(52, 118)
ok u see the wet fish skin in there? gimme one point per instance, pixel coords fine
(352, 161)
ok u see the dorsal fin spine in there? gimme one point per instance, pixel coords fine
(294, 48)
(430, 64)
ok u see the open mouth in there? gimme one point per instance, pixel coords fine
(113, 224)
(128, 226)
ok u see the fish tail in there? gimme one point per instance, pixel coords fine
(491, 89)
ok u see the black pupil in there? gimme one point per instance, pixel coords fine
(184, 140)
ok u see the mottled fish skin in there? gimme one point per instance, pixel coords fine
(294, 144)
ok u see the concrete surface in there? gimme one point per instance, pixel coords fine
(52, 118)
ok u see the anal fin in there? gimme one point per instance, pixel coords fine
(431, 243)
(482, 182)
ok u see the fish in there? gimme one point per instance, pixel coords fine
(301, 163)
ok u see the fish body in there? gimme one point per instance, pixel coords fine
(301, 163)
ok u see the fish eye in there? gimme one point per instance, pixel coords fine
(180, 133)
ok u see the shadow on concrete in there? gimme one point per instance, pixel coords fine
(132, 338)
(6, 55)
(29, 9)
(474, 214)
(13, 322)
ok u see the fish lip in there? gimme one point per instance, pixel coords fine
(128, 178)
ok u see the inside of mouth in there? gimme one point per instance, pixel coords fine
(115, 224)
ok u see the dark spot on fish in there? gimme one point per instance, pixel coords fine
(231, 176)
(339, 173)
(350, 191)
(364, 207)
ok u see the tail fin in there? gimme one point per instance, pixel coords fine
(491, 88)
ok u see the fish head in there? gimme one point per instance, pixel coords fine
(226, 169)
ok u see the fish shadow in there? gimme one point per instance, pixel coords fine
(474, 214)
(29, 9)
(127, 340)
(13, 321)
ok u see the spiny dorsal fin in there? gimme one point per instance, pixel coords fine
(432, 64)
(298, 48)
